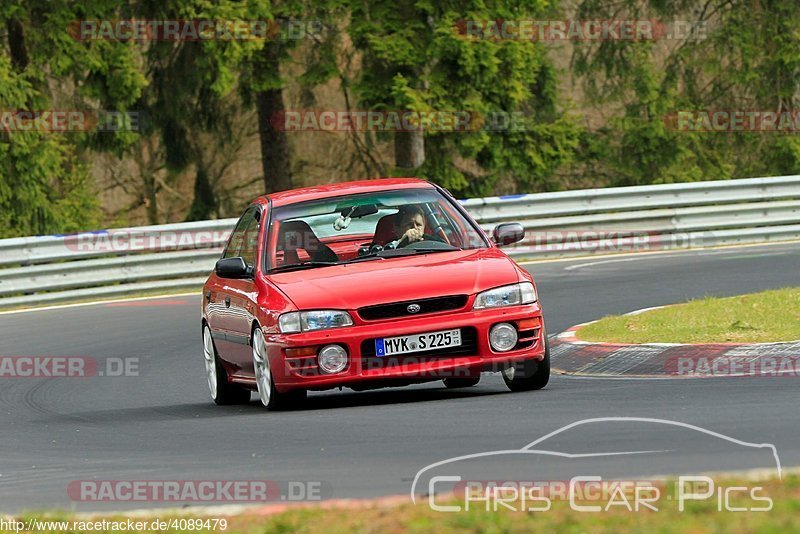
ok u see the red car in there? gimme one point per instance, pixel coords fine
(365, 285)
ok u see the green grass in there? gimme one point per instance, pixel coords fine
(770, 316)
(700, 516)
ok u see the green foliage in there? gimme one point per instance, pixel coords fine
(43, 187)
(415, 59)
(320, 61)
(44, 183)
(405, 55)
(746, 57)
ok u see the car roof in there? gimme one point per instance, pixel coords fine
(282, 198)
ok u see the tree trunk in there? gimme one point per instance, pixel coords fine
(275, 157)
(142, 155)
(204, 202)
(150, 197)
(409, 149)
(16, 44)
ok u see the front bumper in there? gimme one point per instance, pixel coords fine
(295, 368)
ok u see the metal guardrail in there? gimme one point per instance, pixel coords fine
(179, 236)
(110, 263)
(613, 199)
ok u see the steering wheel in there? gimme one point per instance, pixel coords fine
(425, 237)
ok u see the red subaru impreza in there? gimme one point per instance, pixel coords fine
(366, 285)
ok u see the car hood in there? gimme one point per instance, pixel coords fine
(351, 286)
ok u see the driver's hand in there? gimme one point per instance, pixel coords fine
(413, 235)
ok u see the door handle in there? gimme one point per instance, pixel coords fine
(227, 302)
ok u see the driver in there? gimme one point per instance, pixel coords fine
(410, 225)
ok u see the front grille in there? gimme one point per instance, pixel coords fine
(400, 309)
(469, 347)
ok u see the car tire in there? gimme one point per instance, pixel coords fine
(222, 392)
(529, 375)
(269, 396)
(453, 383)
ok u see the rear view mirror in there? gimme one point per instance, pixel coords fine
(356, 212)
(234, 268)
(508, 233)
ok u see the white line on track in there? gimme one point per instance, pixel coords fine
(98, 302)
(602, 262)
(631, 256)
(682, 378)
(582, 377)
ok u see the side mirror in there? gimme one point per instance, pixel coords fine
(508, 233)
(235, 268)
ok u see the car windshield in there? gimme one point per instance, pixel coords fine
(367, 226)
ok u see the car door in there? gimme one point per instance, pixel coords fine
(227, 311)
(244, 293)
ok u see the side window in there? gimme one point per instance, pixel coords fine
(249, 249)
(237, 244)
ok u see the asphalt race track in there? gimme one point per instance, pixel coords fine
(161, 425)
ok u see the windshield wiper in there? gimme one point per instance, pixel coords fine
(427, 250)
(300, 266)
(381, 255)
(385, 254)
(364, 258)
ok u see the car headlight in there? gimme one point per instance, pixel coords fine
(313, 320)
(522, 293)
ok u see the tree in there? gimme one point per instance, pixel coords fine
(741, 56)
(275, 157)
(44, 181)
(296, 21)
(417, 58)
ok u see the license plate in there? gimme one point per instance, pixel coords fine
(417, 343)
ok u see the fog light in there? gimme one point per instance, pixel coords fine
(332, 359)
(502, 337)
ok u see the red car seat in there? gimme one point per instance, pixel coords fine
(384, 231)
(298, 235)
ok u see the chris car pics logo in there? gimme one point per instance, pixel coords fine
(570, 465)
